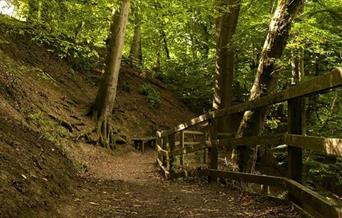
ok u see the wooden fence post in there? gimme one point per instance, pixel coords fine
(205, 155)
(181, 159)
(212, 151)
(295, 126)
(172, 144)
(159, 142)
(165, 158)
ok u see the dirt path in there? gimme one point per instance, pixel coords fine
(129, 186)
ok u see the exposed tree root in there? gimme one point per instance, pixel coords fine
(63, 123)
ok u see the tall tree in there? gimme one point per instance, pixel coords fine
(135, 55)
(223, 90)
(104, 103)
(226, 27)
(266, 77)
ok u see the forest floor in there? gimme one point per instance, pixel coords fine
(43, 182)
(46, 169)
(129, 186)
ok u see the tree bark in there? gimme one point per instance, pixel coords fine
(225, 56)
(223, 90)
(296, 117)
(297, 64)
(104, 103)
(135, 55)
(253, 121)
(166, 47)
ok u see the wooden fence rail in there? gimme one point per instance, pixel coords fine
(210, 140)
(317, 85)
(312, 202)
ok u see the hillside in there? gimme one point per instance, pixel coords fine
(51, 165)
(43, 107)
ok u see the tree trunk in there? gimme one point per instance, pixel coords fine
(225, 56)
(135, 55)
(223, 90)
(297, 64)
(206, 36)
(296, 117)
(253, 121)
(166, 47)
(104, 103)
(157, 65)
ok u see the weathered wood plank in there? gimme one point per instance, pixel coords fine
(295, 125)
(188, 150)
(159, 134)
(165, 158)
(250, 178)
(330, 146)
(193, 143)
(318, 84)
(144, 139)
(182, 138)
(312, 202)
(160, 144)
(225, 134)
(191, 132)
(193, 122)
(178, 143)
(213, 150)
(253, 140)
(160, 150)
(172, 145)
(166, 172)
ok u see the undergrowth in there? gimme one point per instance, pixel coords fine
(152, 95)
(83, 55)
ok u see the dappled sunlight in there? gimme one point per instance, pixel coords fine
(7, 8)
(170, 108)
(332, 146)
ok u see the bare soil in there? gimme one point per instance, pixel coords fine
(135, 189)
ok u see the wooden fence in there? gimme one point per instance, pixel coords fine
(172, 143)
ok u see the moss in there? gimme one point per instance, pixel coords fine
(49, 129)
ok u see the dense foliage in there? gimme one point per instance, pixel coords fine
(178, 46)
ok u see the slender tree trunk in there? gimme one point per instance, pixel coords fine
(104, 103)
(253, 121)
(135, 55)
(157, 63)
(166, 47)
(296, 121)
(297, 64)
(225, 56)
(193, 43)
(223, 90)
(206, 35)
(161, 39)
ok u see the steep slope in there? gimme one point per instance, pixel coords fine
(34, 172)
(43, 107)
(49, 168)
